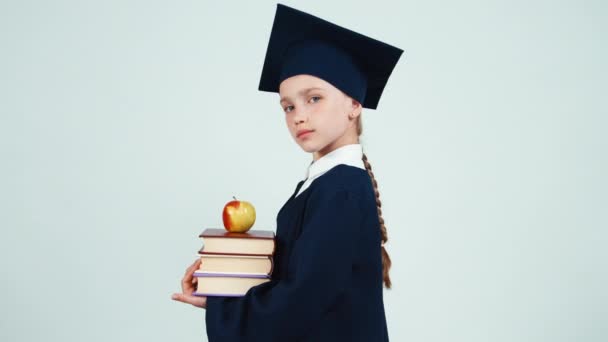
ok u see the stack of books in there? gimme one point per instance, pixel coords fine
(232, 263)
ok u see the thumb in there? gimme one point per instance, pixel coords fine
(189, 299)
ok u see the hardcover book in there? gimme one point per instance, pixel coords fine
(252, 242)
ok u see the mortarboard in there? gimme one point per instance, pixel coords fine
(301, 43)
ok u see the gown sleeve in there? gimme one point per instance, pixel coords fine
(319, 271)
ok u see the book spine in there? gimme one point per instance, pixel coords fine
(229, 275)
(216, 255)
(243, 254)
(217, 294)
(251, 234)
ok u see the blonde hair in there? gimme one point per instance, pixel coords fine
(386, 260)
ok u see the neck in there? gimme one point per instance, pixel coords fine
(331, 147)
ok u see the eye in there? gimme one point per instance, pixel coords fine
(286, 109)
(316, 97)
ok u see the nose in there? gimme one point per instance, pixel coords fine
(299, 116)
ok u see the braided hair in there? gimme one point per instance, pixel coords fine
(386, 260)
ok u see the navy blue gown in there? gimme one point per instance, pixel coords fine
(327, 280)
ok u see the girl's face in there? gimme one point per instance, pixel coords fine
(317, 114)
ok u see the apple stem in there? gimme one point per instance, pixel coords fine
(234, 198)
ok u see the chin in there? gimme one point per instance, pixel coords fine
(309, 146)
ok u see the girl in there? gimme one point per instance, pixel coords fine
(330, 261)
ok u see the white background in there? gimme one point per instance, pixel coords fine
(127, 125)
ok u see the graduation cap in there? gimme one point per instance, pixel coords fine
(301, 43)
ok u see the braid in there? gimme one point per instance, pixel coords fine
(386, 260)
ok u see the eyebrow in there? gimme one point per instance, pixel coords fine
(303, 91)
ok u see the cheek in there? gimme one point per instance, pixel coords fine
(331, 122)
(325, 111)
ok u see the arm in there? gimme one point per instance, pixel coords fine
(320, 269)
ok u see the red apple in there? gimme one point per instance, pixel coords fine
(238, 216)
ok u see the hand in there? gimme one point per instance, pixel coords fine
(189, 283)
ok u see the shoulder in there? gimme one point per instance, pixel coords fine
(346, 182)
(346, 177)
(344, 195)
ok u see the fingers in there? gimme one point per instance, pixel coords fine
(189, 281)
(200, 302)
(195, 265)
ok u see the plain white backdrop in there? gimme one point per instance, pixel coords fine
(127, 125)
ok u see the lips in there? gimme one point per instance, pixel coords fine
(304, 131)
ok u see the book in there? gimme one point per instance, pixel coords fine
(252, 242)
(230, 264)
(226, 286)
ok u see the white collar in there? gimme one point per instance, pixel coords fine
(350, 154)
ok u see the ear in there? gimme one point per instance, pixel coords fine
(355, 109)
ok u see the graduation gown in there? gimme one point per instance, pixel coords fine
(327, 279)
